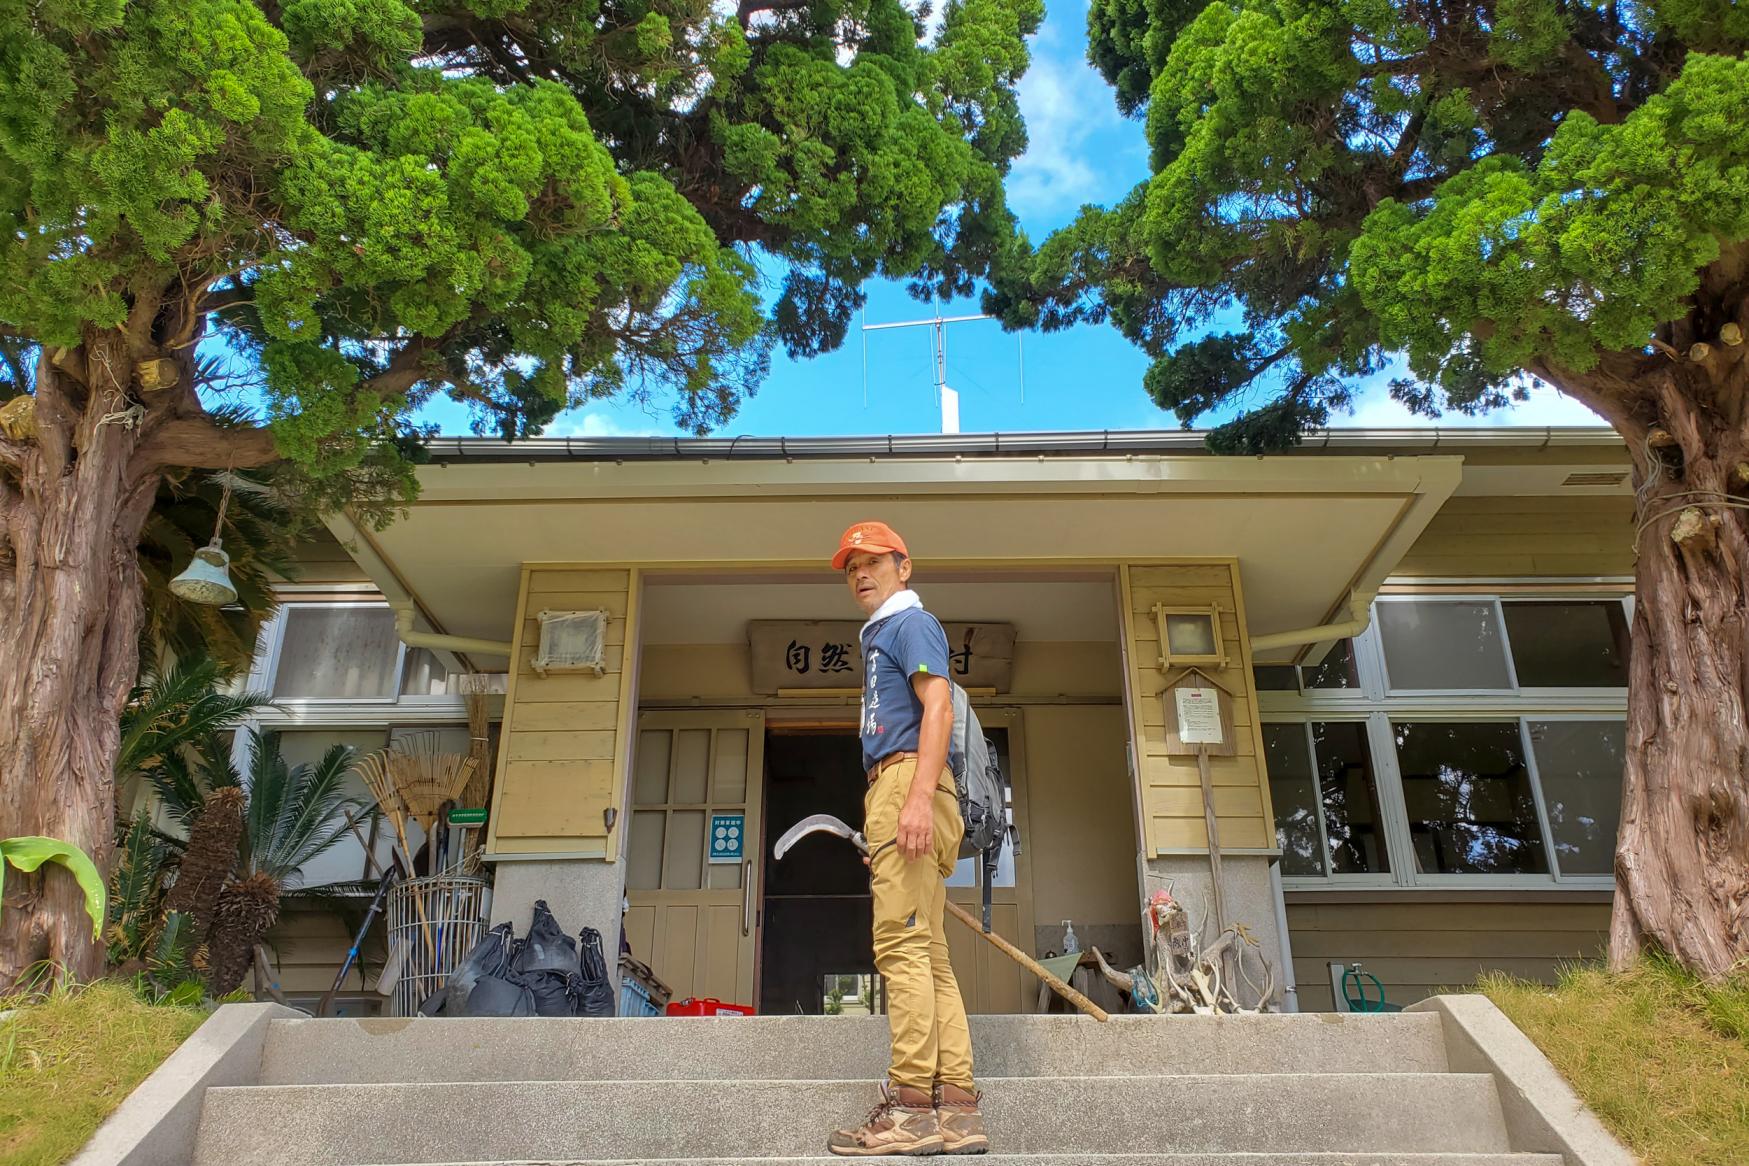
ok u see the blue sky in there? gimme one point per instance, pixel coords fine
(1082, 151)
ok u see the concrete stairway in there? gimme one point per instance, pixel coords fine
(1308, 1090)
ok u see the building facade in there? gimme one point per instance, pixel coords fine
(1421, 639)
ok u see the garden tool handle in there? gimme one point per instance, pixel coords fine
(1014, 953)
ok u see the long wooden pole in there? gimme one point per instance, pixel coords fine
(1208, 817)
(1014, 953)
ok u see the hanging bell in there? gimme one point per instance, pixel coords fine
(207, 579)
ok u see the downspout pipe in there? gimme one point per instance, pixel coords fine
(462, 645)
(1359, 615)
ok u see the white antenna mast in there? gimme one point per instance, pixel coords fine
(949, 399)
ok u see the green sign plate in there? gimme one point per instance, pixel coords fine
(467, 817)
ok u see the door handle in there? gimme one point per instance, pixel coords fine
(746, 896)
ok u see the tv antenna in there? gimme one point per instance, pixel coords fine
(937, 325)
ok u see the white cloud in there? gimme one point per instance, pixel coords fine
(1065, 104)
(595, 421)
(1547, 406)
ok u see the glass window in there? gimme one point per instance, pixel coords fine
(1335, 671)
(1353, 821)
(1293, 791)
(1442, 645)
(344, 861)
(1580, 765)
(1568, 644)
(337, 652)
(1276, 678)
(1468, 794)
(424, 675)
(1335, 778)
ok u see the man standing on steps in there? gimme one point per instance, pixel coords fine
(929, 1104)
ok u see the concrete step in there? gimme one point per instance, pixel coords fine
(837, 1048)
(1294, 1159)
(333, 1125)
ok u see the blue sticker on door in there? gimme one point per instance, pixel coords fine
(728, 832)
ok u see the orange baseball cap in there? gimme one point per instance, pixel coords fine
(874, 537)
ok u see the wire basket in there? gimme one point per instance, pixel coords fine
(454, 921)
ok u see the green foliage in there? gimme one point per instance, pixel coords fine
(136, 892)
(1657, 1052)
(1521, 185)
(523, 204)
(174, 714)
(296, 812)
(70, 1057)
(28, 853)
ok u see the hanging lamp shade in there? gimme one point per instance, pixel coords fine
(207, 579)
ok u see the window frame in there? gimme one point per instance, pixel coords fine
(337, 715)
(1376, 704)
(270, 644)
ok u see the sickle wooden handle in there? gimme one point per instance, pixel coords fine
(1027, 962)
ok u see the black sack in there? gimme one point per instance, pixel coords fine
(546, 947)
(496, 996)
(592, 989)
(548, 990)
(489, 957)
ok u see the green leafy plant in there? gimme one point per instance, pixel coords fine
(28, 853)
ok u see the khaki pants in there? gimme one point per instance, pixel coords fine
(931, 1041)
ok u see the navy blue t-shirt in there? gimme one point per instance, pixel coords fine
(894, 650)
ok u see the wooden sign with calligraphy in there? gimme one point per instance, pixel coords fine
(800, 654)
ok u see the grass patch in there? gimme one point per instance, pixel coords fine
(1660, 1057)
(67, 1061)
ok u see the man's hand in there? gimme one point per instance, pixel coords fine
(917, 826)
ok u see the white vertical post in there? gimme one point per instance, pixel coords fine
(950, 410)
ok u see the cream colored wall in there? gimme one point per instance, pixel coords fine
(1525, 537)
(1083, 835)
(1171, 788)
(1418, 948)
(561, 761)
(308, 945)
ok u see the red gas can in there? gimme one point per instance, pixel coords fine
(707, 1007)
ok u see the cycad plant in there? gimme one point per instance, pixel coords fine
(247, 835)
(172, 736)
(294, 815)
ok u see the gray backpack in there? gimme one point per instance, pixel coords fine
(983, 795)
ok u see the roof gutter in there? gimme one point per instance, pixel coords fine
(455, 450)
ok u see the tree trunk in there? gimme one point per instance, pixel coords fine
(72, 504)
(1682, 856)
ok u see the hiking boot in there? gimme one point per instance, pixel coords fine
(962, 1126)
(903, 1123)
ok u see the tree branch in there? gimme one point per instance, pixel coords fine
(407, 367)
(197, 442)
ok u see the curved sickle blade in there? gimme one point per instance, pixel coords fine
(817, 824)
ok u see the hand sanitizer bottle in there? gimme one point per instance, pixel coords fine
(1070, 943)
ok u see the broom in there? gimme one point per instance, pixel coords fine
(478, 792)
(380, 780)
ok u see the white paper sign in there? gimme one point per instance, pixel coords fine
(1199, 716)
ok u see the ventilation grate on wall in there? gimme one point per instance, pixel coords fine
(1611, 478)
